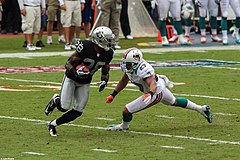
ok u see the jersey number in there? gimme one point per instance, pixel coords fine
(94, 67)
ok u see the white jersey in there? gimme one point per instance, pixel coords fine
(139, 75)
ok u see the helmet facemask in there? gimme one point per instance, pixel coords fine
(131, 59)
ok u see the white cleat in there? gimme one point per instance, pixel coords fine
(215, 38)
(206, 113)
(116, 127)
(203, 39)
(225, 41)
(173, 39)
(165, 41)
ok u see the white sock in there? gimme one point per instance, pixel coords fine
(49, 37)
(187, 30)
(203, 32)
(214, 31)
(193, 106)
(237, 32)
(224, 33)
(54, 123)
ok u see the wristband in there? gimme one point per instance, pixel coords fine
(150, 92)
(114, 93)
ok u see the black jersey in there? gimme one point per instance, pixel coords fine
(92, 59)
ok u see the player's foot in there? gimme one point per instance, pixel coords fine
(225, 41)
(234, 35)
(165, 41)
(116, 127)
(49, 41)
(173, 39)
(52, 130)
(215, 38)
(237, 41)
(51, 105)
(188, 38)
(206, 113)
(203, 39)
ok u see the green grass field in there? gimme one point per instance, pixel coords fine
(158, 133)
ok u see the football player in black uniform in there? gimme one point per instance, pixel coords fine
(94, 54)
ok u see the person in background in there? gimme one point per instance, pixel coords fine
(70, 19)
(212, 7)
(153, 86)
(224, 5)
(31, 19)
(110, 17)
(87, 16)
(11, 17)
(124, 20)
(39, 42)
(54, 12)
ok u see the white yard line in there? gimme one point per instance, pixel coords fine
(172, 147)
(218, 67)
(133, 132)
(35, 153)
(104, 150)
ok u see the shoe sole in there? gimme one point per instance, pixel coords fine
(208, 114)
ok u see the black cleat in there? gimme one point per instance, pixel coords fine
(52, 130)
(39, 44)
(51, 105)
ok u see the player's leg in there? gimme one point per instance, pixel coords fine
(202, 22)
(224, 4)
(135, 106)
(175, 9)
(169, 99)
(62, 104)
(213, 11)
(163, 8)
(235, 4)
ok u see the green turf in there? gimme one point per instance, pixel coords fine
(147, 134)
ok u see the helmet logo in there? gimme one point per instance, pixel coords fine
(99, 35)
(136, 57)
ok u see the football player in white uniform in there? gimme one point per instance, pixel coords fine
(173, 6)
(212, 7)
(187, 13)
(224, 4)
(94, 54)
(153, 87)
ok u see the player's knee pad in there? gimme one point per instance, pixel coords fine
(127, 116)
(181, 102)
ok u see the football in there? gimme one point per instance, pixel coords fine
(82, 70)
(187, 11)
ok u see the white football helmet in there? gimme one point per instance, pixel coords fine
(131, 59)
(103, 37)
(187, 11)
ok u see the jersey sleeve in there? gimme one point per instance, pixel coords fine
(145, 70)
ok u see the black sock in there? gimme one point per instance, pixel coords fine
(68, 117)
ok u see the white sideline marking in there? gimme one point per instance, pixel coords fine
(133, 132)
(164, 116)
(128, 89)
(172, 147)
(104, 150)
(35, 153)
(106, 119)
(225, 114)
